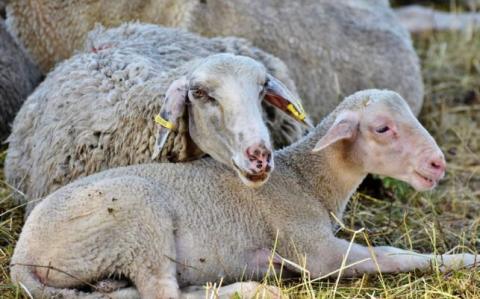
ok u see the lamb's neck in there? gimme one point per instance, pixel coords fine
(326, 174)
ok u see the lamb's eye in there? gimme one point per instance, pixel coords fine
(382, 129)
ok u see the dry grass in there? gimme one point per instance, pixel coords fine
(11, 219)
(392, 213)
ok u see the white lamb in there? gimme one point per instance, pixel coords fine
(167, 226)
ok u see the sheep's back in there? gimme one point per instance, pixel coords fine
(332, 48)
(18, 77)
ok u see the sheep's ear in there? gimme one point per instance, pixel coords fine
(277, 94)
(172, 109)
(344, 127)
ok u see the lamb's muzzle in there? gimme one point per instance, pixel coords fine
(429, 171)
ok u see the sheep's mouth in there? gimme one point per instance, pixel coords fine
(257, 177)
(252, 179)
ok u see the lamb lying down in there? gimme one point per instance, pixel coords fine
(166, 227)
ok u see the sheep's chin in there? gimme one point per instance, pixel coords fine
(253, 181)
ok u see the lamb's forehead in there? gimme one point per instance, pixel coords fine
(375, 100)
(216, 69)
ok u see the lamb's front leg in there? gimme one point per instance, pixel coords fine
(357, 259)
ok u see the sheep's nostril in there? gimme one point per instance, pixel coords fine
(260, 157)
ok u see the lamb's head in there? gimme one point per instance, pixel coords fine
(379, 134)
(223, 94)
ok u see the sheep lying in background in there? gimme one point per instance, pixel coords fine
(18, 78)
(96, 110)
(3, 4)
(144, 222)
(332, 48)
(418, 19)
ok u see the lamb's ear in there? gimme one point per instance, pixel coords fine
(344, 127)
(280, 96)
(173, 107)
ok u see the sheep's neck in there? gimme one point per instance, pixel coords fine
(329, 177)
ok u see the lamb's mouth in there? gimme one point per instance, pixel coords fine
(252, 177)
(426, 180)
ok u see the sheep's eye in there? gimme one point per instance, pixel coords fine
(199, 93)
(382, 129)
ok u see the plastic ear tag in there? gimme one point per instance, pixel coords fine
(297, 113)
(163, 122)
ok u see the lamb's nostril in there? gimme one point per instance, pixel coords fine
(438, 164)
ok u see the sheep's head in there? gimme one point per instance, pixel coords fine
(380, 135)
(223, 94)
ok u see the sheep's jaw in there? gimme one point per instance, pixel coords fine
(252, 180)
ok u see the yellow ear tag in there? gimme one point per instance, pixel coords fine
(163, 122)
(300, 115)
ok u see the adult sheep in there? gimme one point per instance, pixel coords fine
(18, 78)
(96, 110)
(332, 48)
(143, 223)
